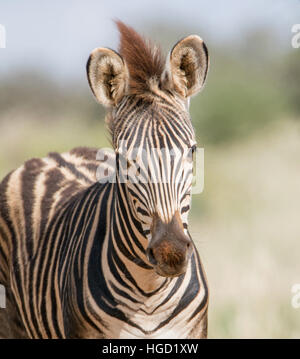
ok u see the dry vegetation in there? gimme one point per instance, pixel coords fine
(249, 234)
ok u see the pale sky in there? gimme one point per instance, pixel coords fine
(57, 36)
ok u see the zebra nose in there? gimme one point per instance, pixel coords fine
(170, 248)
(170, 256)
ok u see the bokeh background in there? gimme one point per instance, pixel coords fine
(246, 223)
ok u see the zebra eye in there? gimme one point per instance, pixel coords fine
(192, 153)
(190, 156)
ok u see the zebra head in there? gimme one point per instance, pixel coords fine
(153, 137)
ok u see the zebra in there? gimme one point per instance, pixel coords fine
(83, 257)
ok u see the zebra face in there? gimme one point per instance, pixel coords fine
(153, 137)
(155, 167)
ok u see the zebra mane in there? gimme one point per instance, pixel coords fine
(145, 60)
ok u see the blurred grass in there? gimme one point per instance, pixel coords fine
(248, 236)
(236, 101)
(37, 138)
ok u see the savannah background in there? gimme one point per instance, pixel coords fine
(246, 222)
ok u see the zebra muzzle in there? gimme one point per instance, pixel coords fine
(170, 248)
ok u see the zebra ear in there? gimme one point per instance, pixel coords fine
(107, 75)
(188, 66)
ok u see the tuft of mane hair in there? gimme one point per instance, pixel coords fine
(145, 61)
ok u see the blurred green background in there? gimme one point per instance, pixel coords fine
(246, 222)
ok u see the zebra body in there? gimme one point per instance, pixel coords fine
(83, 259)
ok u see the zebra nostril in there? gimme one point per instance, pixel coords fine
(189, 246)
(189, 249)
(151, 257)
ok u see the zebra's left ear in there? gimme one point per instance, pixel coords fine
(107, 75)
(188, 66)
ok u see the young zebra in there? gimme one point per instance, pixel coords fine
(82, 258)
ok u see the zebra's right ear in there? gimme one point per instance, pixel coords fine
(108, 76)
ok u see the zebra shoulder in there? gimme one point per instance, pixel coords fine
(41, 186)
